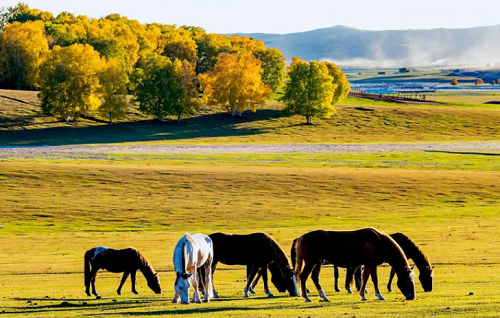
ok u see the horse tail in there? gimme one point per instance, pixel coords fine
(298, 260)
(86, 266)
(293, 253)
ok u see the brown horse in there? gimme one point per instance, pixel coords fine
(257, 251)
(412, 252)
(366, 247)
(126, 261)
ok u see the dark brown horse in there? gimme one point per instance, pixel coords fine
(257, 251)
(412, 252)
(366, 247)
(126, 261)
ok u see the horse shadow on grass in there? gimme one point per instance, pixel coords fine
(204, 126)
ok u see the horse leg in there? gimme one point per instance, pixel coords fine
(391, 277)
(375, 283)
(132, 279)
(255, 281)
(251, 271)
(88, 281)
(176, 298)
(348, 278)
(315, 279)
(124, 278)
(336, 275)
(214, 266)
(308, 267)
(208, 281)
(366, 275)
(264, 279)
(196, 293)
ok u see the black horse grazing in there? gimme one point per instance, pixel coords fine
(257, 251)
(412, 252)
(366, 247)
(126, 261)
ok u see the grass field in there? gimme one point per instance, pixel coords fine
(22, 123)
(55, 207)
(53, 211)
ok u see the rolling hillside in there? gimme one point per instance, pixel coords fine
(348, 46)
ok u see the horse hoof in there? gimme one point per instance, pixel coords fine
(135, 292)
(119, 293)
(97, 297)
(326, 300)
(216, 296)
(337, 290)
(246, 296)
(307, 300)
(252, 291)
(88, 294)
(364, 299)
(349, 291)
(270, 295)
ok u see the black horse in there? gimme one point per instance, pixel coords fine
(126, 261)
(257, 251)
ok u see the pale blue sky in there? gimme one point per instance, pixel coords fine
(231, 16)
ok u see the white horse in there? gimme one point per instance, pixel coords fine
(190, 253)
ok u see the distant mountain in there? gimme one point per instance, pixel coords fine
(354, 47)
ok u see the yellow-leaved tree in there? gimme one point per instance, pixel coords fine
(69, 81)
(343, 87)
(309, 90)
(189, 102)
(113, 81)
(235, 83)
(178, 44)
(23, 47)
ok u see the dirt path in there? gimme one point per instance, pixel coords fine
(462, 147)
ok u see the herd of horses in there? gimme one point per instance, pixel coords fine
(196, 257)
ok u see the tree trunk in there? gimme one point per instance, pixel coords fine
(309, 120)
(179, 118)
(240, 114)
(110, 118)
(233, 112)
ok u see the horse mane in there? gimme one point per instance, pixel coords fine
(394, 245)
(281, 258)
(412, 251)
(145, 267)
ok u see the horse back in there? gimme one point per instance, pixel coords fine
(234, 249)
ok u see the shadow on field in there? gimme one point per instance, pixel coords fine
(205, 126)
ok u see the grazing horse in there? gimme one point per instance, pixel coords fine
(190, 253)
(412, 252)
(126, 261)
(366, 247)
(257, 251)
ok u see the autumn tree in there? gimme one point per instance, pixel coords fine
(309, 90)
(273, 64)
(21, 58)
(454, 81)
(189, 102)
(69, 80)
(479, 81)
(235, 83)
(209, 47)
(113, 91)
(339, 79)
(159, 88)
(178, 44)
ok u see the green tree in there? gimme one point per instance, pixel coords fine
(69, 81)
(21, 58)
(113, 81)
(273, 64)
(159, 89)
(309, 90)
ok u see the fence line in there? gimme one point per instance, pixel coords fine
(398, 96)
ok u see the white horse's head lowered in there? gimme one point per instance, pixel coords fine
(182, 286)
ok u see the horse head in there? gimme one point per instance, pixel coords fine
(283, 279)
(426, 278)
(154, 283)
(182, 286)
(406, 283)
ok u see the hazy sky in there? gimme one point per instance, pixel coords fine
(270, 16)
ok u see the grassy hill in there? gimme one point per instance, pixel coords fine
(23, 123)
(398, 48)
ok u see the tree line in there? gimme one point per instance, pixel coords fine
(83, 65)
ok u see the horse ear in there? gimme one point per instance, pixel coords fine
(156, 274)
